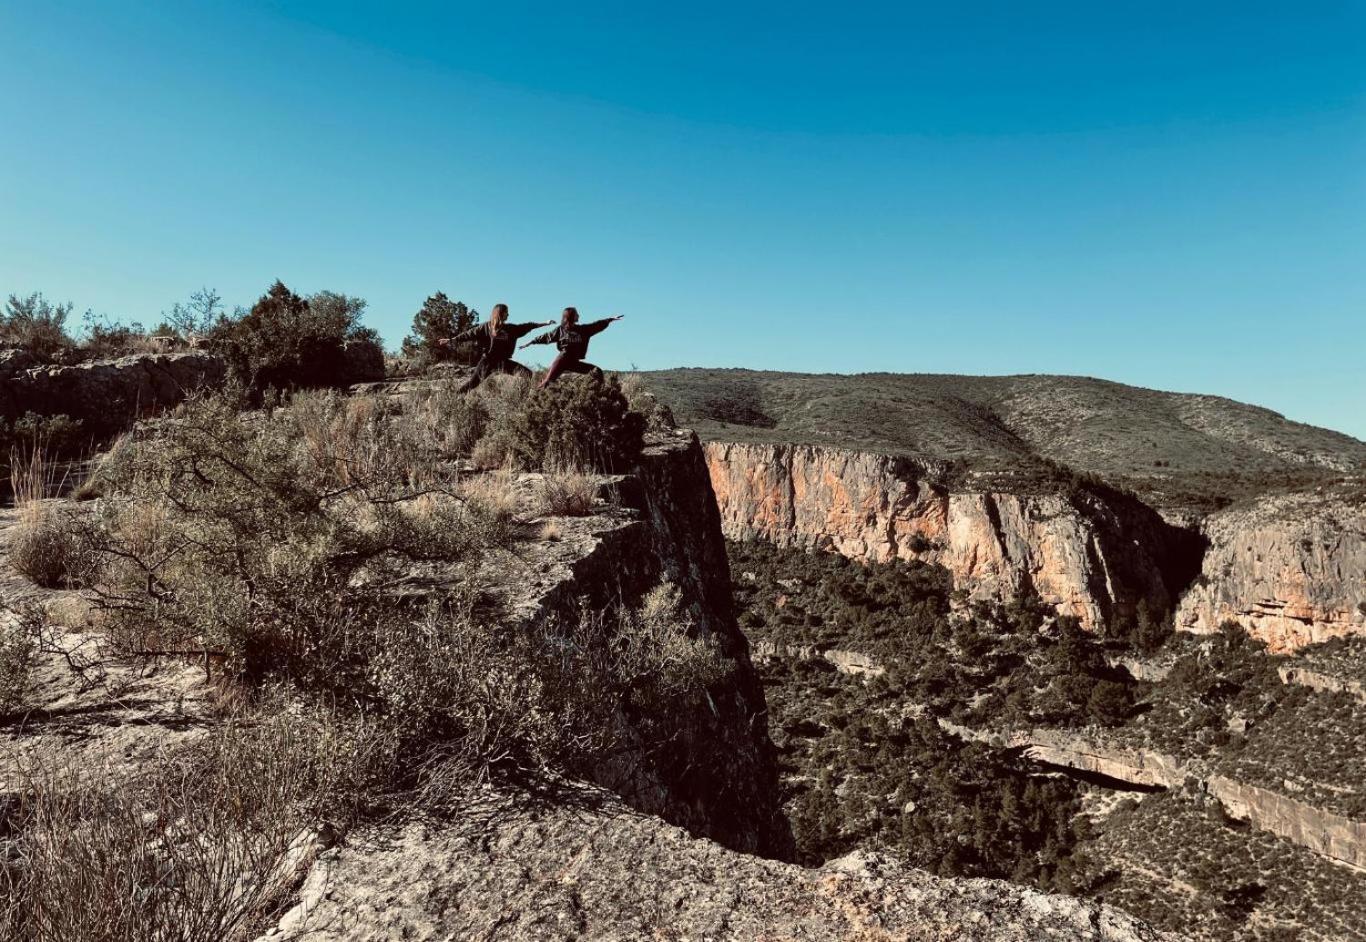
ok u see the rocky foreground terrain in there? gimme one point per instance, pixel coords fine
(583, 867)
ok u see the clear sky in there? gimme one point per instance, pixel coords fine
(1171, 194)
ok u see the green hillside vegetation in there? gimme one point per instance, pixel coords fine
(888, 757)
(1174, 448)
(1176, 860)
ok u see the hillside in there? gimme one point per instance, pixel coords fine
(1175, 449)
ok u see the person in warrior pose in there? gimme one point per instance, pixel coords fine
(571, 339)
(495, 340)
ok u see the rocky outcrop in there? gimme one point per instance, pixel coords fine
(592, 871)
(854, 663)
(1318, 680)
(1290, 569)
(1332, 835)
(1091, 554)
(106, 394)
(719, 777)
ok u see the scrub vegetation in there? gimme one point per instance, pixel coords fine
(892, 698)
(327, 563)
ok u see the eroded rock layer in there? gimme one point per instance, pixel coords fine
(1332, 835)
(105, 394)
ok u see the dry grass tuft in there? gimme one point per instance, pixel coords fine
(568, 494)
(52, 547)
(494, 493)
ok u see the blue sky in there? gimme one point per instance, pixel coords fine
(1165, 194)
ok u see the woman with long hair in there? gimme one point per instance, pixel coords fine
(571, 339)
(495, 340)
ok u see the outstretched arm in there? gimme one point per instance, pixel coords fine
(594, 327)
(518, 331)
(465, 336)
(550, 336)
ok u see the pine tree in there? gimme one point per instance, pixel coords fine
(439, 317)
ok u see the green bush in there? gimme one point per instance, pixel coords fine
(35, 324)
(57, 436)
(439, 318)
(286, 341)
(577, 423)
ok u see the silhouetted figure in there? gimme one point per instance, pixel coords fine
(571, 339)
(496, 341)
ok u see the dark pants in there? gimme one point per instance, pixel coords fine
(486, 368)
(567, 364)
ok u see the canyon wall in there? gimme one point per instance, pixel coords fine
(719, 777)
(1291, 569)
(1091, 554)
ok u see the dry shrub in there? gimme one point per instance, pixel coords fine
(455, 421)
(202, 845)
(632, 386)
(268, 540)
(494, 450)
(568, 494)
(17, 649)
(53, 547)
(551, 532)
(659, 645)
(469, 701)
(359, 441)
(499, 399)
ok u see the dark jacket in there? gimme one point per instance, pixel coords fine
(572, 340)
(499, 346)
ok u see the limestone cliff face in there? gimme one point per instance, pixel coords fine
(719, 777)
(1089, 555)
(1290, 569)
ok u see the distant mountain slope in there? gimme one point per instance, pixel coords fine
(1175, 448)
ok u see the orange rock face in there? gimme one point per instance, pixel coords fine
(1290, 569)
(1085, 558)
